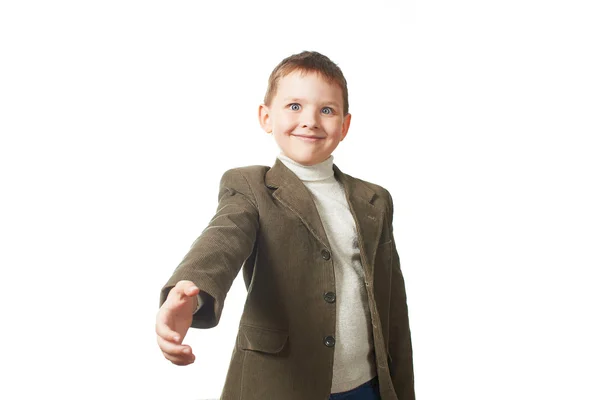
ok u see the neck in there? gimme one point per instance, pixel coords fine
(316, 172)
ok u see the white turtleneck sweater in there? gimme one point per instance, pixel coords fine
(354, 357)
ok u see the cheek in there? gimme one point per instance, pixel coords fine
(286, 127)
(334, 130)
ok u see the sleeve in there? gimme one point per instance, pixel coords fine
(400, 344)
(217, 255)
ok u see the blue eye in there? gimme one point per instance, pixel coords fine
(294, 104)
(330, 110)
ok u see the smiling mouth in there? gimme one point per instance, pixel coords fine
(308, 138)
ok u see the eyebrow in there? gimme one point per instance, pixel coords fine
(328, 102)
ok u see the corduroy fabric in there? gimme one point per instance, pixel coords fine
(267, 224)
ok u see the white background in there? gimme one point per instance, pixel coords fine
(118, 118)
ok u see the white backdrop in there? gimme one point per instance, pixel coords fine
(118, 118)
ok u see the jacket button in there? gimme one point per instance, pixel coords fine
(325, 254)
(329, 297)
(329, 341)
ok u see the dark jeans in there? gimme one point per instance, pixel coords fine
(366, 391)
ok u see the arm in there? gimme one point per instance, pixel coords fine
(400, 342)
(216, 256)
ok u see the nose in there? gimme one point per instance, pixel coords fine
(309, 120)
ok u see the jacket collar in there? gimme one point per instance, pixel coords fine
(293, 194)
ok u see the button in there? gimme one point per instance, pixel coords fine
(329, 297)
(325, 254)
(329, 341)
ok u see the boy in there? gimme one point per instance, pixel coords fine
(326, 314)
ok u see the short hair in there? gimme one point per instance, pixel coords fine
(305, 62)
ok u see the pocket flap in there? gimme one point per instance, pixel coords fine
(265, 340)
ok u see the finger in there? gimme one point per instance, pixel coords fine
(186, 288)
(164, 331)
(179, 360)
(181, 293)
(174, 349)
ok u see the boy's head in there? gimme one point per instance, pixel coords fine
(306, 107)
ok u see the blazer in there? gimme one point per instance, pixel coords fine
(267, 224)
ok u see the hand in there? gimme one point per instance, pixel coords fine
(173, 320)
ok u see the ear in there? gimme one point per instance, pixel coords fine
(264, 118)
(346, 125)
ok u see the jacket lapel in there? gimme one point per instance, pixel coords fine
(293, 194)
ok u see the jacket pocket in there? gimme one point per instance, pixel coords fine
(384, 243)
(260, 339)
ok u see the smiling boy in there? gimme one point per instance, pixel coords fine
(326, 314)
(308, 116)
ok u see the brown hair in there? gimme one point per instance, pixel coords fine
(307, 61)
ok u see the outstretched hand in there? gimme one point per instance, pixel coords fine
(173, 320)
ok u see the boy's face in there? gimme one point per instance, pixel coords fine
(306, 106)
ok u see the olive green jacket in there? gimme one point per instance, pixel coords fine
(267, 225)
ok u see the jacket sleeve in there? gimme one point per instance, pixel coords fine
(400, 344)
(217, 255)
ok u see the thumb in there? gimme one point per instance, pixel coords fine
(183, 291)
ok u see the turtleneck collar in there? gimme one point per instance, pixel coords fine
(317, 172)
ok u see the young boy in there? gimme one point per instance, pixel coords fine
(326, 313)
